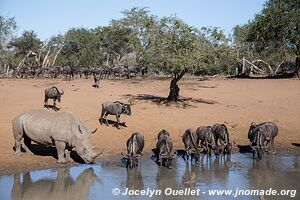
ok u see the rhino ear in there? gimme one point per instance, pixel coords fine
(79, 129)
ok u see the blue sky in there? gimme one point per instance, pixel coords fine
(50, 17)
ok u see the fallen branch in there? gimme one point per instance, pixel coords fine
(269, 66)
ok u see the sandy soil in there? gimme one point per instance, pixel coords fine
(236, 103)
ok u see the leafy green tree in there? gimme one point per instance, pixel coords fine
(26, 46)
(8, 27)
(174, 51)
(81, 48)
(28, 41)
(115, 42)
(277, 28)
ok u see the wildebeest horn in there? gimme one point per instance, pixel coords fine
(62, 92)
(94, 131)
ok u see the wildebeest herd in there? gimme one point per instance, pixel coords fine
(67, 133)
(70, 73)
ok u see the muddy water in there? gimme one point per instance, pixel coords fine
(184, 181)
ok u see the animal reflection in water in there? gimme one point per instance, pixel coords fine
(209, 170)
(62, 187)
(134, 180)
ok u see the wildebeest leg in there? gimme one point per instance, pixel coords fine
(106, 119)
(272, 145)
(158, 158)
(208, 149)
(186, 155)
(27, 143)
(46, 102)
(60, 147)
(101, 116)
(54, 103)
(118, 121)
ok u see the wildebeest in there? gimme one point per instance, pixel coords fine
(119, 70)
(222, 138)
(114, 108)
(134, 70)
(68, 71)
(189, 139)
(97, 77)
(206, 138)
(135, 145)
(164, 147)
(144, 71)
(262, 137)
(52, 93)
(63, 130)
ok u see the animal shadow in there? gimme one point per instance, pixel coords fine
(296, 144)
(42, 150)
(181, 153)
(244, 148)
(95, 86)
(52, 107)
(114, 123)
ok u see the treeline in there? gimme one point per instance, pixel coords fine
(166, 44)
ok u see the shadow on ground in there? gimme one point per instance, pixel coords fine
(182, 102)
(42, 150)
(113, 123)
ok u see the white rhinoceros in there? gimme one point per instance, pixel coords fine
(63, 130)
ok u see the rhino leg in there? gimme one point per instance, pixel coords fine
(27, 143)
(18, 135)
(18, 147)
(68, 155)
(60, 147)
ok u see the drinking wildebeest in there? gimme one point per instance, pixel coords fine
(135, 145)
(189, 139)
(97, 77)
(114, 108)
(164, 147)
(222, 136)
(52, 93)
(262, 137)
(63, 130)
(206, 138)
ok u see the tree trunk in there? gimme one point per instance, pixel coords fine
(174, 88)
(297, 65)
(46, 57)
(57, 53)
